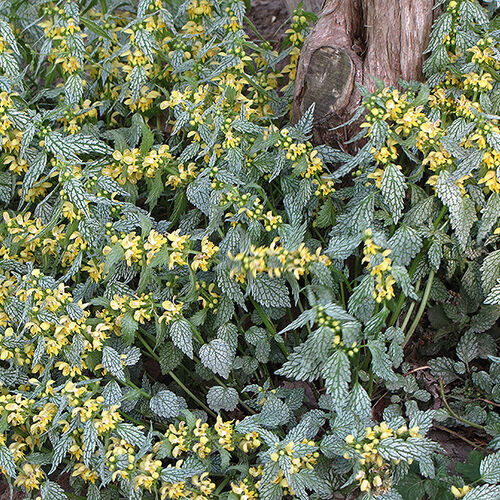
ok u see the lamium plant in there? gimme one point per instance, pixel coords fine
(197, 301)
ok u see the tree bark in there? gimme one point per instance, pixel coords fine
(353, 40)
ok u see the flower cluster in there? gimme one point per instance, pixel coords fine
(379, 264)
(163, 223)
(375, 474)
(275, 260)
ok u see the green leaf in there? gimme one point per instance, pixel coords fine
(182, 336)
(148, 138)
(490, 468)
(165, 404)
(490, 271)
(270, 292)
(52, 491)
(337, 374)
(128, 328)
(393, 188)
(170, 357)
(7, 461)
(470, 469)
(217, 356)
(222, 398)
(112, 362)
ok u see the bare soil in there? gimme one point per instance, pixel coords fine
(270, 17)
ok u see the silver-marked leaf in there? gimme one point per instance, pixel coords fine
(484, 492)
(405, 243)
(490, 271)
(217, 356)
(462, 209)
(90, 439)
(490, 468)
(73, 89)
(165, 404)
(112, 362)
(7, 461)
(77, 195)
(393, 188)
(52, 491)
(182, 336)
(222, 398)
(337, 375)
(493, 297)
(270, 292)
(381, 362)
(467, 348)
(36, 168)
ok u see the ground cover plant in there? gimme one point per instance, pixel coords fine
(197, 302)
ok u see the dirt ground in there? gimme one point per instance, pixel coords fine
(270, 18)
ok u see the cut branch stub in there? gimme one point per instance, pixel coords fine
(329, 83)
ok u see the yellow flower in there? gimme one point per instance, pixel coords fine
(85, 473)
(491, 181)
(30, 477)
(377, 177)
(172, 311)
(173, 491)
(460, 492)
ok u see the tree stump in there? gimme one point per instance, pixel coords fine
(352, 41)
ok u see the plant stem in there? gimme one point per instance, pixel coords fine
(269, 325)
(421, 309)
(452, 413)
(176, 378)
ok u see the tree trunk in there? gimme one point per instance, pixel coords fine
(353, 40)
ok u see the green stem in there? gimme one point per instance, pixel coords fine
(197, 334)
(452, 413)
(191, 395)
(410, 309)
(176, 378)
(370, 386)
(421, 309)
(269, 325)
